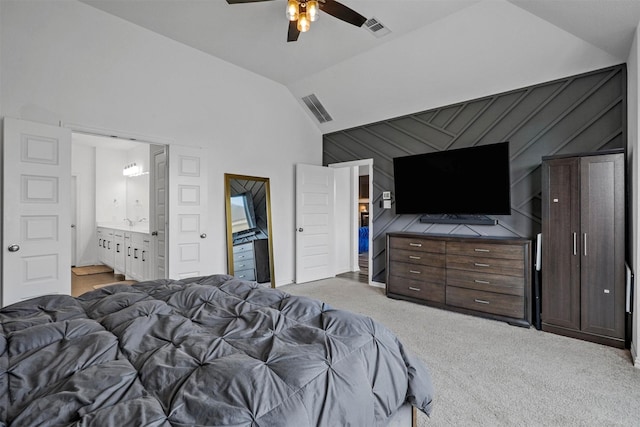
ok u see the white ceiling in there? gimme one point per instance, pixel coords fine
(253, 35)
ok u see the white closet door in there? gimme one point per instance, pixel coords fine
(314, 223)
(36, 253)
(158, 219)
(187, 211)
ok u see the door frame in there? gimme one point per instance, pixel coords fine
(74, 217)
(79, 128)
(365, 167)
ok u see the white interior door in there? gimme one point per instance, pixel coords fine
(314, 223)
(158, 218)
(36, 255)
(187, 211)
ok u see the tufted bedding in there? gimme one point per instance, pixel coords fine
(210, 351)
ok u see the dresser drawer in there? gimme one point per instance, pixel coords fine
(487, 302)
(248, 274)
(243, 264)
(243, 248)
(417, 244)
(497, 283)
(486, 250)
(244, 257)
(428, 291)
(418, 257)
(508, 267)
(420, 273)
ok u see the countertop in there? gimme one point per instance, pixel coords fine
(139, 227)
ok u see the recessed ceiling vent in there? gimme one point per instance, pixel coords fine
(318, 110)
(376, 27)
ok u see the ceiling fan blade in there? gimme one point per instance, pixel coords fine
(293, 33)
(244, 1)
(342, 12)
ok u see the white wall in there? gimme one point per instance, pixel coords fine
(633, 111)
(488, 48)
(66, 61)
(344, 217)
(111, 186)
(83, 166)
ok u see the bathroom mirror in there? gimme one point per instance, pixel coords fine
(249, 236)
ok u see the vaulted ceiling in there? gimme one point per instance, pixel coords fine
(253, 35)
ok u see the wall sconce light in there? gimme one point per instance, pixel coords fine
(132, 169)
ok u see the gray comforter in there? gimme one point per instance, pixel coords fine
(208, 351)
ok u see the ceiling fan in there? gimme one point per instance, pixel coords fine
(302, 12)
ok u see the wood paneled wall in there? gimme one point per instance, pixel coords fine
(581, 113)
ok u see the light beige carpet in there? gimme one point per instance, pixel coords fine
(91, 269)
(488, 373)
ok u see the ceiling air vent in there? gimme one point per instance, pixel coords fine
(318, 110)
(376, 27)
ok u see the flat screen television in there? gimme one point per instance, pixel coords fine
(466, 181)
(243, 215)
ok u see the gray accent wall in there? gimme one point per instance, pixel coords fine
(581, 113)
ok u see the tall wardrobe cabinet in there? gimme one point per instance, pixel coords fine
(583, 246)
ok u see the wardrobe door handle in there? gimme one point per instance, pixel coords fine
(575, 244)
(585, 244)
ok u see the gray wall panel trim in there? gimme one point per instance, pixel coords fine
(581, 113)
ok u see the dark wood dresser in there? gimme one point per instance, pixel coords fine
(485, 276)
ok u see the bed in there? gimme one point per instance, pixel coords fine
(211, 350)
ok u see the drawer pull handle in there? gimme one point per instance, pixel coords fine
(414, 289)
(477, 264)
(414, 271)
(414, 257)
(481, 301)
(418, 245)
(484, 282)
(481, 250)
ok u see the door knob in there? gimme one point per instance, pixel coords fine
(154, 233)
(203, 236)
(14, 248)
(300, 229)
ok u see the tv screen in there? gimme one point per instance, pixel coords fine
(465, 181)
(243, 217)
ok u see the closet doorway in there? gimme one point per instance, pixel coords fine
(120, 186)
(353, 213)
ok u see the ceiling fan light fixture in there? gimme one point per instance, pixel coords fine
(304, 23)
(313, 9)
(292, 10)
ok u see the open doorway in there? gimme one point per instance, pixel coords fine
(363, 218)
(353, 218)
(117, 210)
